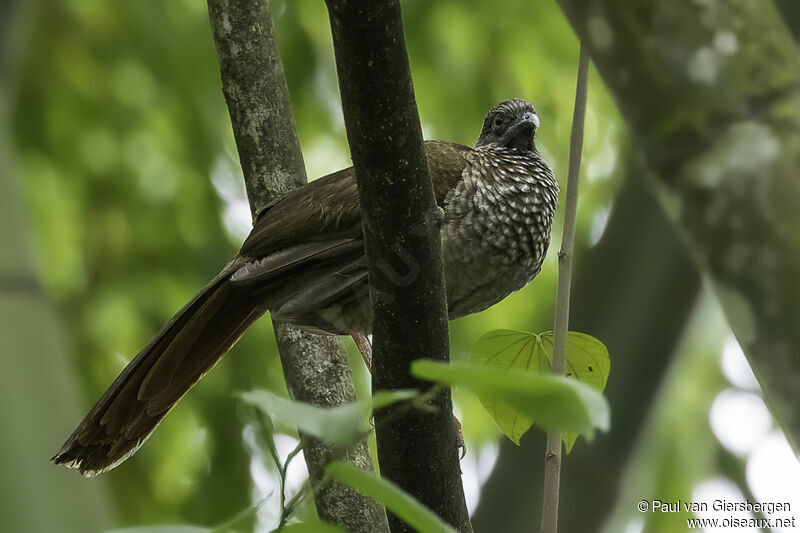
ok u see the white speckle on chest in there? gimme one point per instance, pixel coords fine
(497, 227)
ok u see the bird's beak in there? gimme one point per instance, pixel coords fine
(527, 120)
(521, 134)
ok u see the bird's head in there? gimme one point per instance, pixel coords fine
(510, 124)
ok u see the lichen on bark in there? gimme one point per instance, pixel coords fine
(711, 92)
(315, 367)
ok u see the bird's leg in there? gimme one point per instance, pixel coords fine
(364, 347)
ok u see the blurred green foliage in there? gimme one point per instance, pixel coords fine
(130, 180)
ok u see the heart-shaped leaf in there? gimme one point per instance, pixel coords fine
(587, 361)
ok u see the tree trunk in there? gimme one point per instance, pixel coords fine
(417, 450)
(316, 367)
(711, 93)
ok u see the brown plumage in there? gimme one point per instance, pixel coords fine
(304, 262)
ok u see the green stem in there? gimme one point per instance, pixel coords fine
(552, 465)
(286, 511)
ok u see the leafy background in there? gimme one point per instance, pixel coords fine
(127, 179)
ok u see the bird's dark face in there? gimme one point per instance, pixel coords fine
(511, 124)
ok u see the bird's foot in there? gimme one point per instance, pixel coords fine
(460, 444)
(439, 216)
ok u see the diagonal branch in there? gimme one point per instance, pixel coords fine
(417, 450)
(316, 368)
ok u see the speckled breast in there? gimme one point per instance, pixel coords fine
(496, 229)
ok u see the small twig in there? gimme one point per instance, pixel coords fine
(298, 498)
(552, 462)
(266, 436)
(291, 456)
(420, 402)
(266, 440)
(286, 511)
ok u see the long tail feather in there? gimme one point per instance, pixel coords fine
(152, 383)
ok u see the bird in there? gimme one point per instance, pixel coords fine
(304, 262)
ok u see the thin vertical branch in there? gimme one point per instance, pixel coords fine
(552, 469)
(315, 367)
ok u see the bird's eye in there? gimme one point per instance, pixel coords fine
(499, 121)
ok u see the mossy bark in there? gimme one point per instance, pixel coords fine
(711, 93)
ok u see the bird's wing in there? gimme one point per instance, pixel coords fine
(328, 208)
(446, 162)
(324, 209)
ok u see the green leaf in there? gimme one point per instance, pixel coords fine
(342, 425)
(385, 398)
(393, 497)
(587, 361)
(557, 403)
(317, 526)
